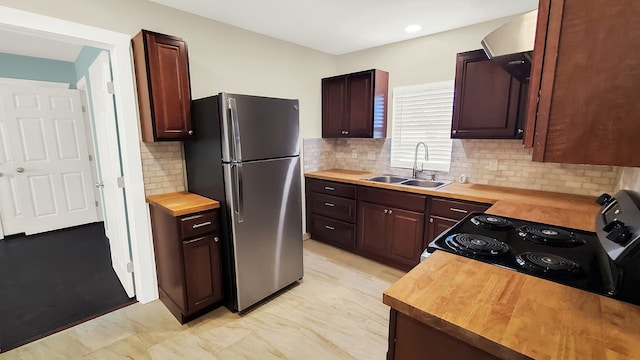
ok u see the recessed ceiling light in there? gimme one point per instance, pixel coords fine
(413, 28)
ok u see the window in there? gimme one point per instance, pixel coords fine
(422, 113)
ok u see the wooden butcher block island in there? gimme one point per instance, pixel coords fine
(449, 300)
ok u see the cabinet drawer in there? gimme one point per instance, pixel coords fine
(199, 224)
(455, 209)
(333, 231)
(334, 207)
(396, 199)
(331, 188)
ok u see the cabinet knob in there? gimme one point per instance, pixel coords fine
(390, 211)
(190, 132)
(20, 169)
(454, 132)
(346, 132)
(431, 220)
(216, 239)
(386, 211)
(520, 131)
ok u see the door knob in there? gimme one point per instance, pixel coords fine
(20, 169)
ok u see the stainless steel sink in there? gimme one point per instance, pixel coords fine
(425, 183)
(389, 179)
(399, 180)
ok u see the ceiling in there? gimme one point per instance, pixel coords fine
(14, 42)
(342, 26)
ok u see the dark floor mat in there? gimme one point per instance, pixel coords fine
(52, 280)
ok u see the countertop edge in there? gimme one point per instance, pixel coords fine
(167, 201)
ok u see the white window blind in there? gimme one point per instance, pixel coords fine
(422, 113)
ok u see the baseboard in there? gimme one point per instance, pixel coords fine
(306, 236)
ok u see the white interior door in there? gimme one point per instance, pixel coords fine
(51, 170)
(10, 213)
(81, 85)
(108, 152)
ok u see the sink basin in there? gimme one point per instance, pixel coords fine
(389, 179)
(425, 183)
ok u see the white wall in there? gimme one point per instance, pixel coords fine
(222, 57)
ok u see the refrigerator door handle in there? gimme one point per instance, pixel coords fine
(235, 130)
(238, 193)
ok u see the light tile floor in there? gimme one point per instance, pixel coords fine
(335, 313)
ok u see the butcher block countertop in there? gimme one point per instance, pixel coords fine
(542, 206)
(509, 314)
(182, 203)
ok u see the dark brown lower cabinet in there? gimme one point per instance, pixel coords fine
(444, 213)
(202, 270)
(391, 226)
(437, 225)
(373, 236)
(407, 229)
(331, 212)
(410, 339)
(188, 263)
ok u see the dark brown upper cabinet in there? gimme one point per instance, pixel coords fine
(164, 91)
(585, 77)
(487, 100)
(355, 105)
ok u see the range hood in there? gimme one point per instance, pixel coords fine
(511, 45)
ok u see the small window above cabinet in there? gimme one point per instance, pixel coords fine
(489, 103)
(164, 92)
(355, 105)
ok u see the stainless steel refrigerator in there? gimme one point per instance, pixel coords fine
(246, 154)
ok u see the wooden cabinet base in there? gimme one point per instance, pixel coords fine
(188, 262)
(177, 312)
(410, 339)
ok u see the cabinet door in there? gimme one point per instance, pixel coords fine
(202, 271)
(407, 232)
(486, 99)
(333, 97)
(359, 112)
(373, 237)
(437, 226)
(170, 90)
(589, 78)
(410, 339)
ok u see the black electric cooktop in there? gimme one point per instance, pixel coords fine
(567, 256)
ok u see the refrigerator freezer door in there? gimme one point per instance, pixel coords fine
(257, 128)
(266, 226)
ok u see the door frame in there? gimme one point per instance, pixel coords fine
(127, 112)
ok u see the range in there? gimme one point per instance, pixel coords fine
(606, 262)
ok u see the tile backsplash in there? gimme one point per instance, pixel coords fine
(162, 167)
(471, 158)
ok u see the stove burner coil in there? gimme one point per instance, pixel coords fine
(549, 235)
(470, 244)
(491, 222)
(548, 264)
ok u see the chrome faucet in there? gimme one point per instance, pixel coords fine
(415, 159)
